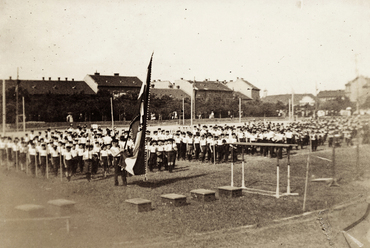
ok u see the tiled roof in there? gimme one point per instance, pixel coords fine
(285, 98)
(251, 85)
(40, 87)
(330, 93)
(238, 94)
(211, 85)
(174, 93)
(116, 81)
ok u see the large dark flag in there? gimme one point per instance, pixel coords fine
(135, 165)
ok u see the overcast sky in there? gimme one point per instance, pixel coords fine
(276, 45)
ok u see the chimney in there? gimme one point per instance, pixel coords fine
(66, 79)
(10, 78)
(43, 78)
(58, 78)
(96, 73)
(49, 78)
(116, 74)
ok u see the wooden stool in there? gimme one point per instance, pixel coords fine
(31, 210)
(204, 195)
(64, 207)
(229, 191)
(140, 205)
(174, 200)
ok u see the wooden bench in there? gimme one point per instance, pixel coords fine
(63, 206)
(174, 200)
(31, 210)
(229, 191)
(139, 205)
(204, 195)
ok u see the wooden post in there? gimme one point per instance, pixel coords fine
(16, 160)
(214, 154)
(307, 168)
(232, 169)
(47, 166)
(277, 177)
(243, 179)
(36, 162)
(334, 181)
(7, 158)
(27, 158)
(61, 167)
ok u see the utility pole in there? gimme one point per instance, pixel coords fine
(316, 101)
(240, 110)
(357, 88)
(4, 108)
(293, 104)
(183, 111)
(16, 101)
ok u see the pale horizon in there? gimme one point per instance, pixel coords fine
(283, 46)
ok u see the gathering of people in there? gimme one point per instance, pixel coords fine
(95, 152)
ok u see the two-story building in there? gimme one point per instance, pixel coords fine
(357, 89)
(329, 95)
(115, 84)
(246, 88)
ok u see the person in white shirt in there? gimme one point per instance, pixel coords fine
(203, 148)
(118, 171)
(55, 159)
(104, 160)
(67, 160)
(87, 158)
(152, 162)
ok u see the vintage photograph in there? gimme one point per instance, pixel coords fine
(162, 123)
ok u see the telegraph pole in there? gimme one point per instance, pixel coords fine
(4, 108)
(16, 101)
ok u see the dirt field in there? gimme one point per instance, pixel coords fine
(103, 219)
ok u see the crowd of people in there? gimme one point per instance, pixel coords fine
(82, 150)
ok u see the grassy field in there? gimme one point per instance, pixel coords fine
(103, 219)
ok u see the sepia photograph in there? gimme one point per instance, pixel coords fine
(163, 123)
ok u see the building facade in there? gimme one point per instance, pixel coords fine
(358, 89)
(245, 88)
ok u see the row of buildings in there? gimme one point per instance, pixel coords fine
(356, 90)
(120, 85)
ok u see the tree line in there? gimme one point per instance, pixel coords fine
(55, 108)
